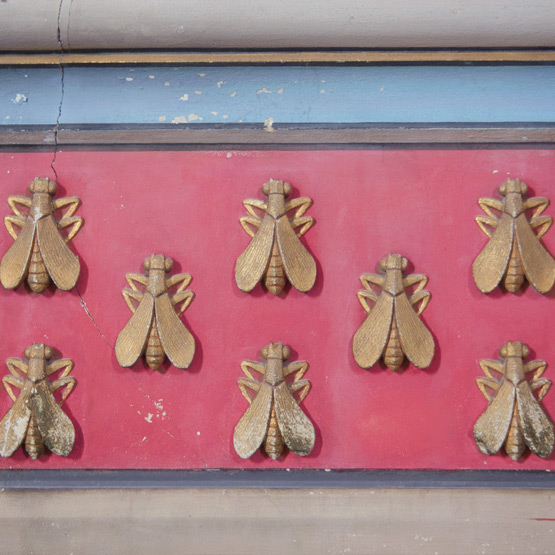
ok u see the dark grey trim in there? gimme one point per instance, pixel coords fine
(276, 479)
(293, 135)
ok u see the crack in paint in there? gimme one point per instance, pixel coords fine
(57, 126)
(88, 313)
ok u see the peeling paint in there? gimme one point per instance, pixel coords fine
(195, 117)
(162, 118)
(234, 93)
(214, 113)
(219, 84)
(280, 91)
(151, 77)
(269, 125)
(225, 116)
(185, 97)
(149, 418)
(179, 119)
(19, 98)
(198, 92)
(129, 78)
(167, 84)
(202, 74)
(263, 90)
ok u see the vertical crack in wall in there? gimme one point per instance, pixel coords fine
(88, 313)
(62, 50)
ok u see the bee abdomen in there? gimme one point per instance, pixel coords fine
(273, 444)
(514, 445)
(393, 353)
(37, 278)
(275, 278)
(514, 278)
(34, 444)
(154, 349)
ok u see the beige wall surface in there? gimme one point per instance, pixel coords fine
(280, 522)
(140, 24)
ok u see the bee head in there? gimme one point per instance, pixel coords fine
(514, 349)
(43, 185)
(275, 350)
(39, 350)
(158, 262)
(276, 187)
(393, 262)
(513, 186)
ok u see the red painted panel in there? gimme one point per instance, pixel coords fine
(366, 204)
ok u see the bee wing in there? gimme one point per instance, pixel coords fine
(490, 265)
(13, 426)
(252, 264)
(536, 426)
(491, 429)
(538, 264)
(15, 263)
(416, 339)
(370, 339)
(176, 339)
(295, 427)
(253, 426)
(61, 263)
(132, 338)
(297, 261)
(54, 425)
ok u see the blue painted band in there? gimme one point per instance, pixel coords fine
(287, 94)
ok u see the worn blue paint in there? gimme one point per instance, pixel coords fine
(288, 94)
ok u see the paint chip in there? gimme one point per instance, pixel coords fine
(228, 155)
(280, 91)
(167, 84)
(149, 418)
(19, 98)
(219, 84)
(151, 77)
(202, 74)
(162, 118)
(185, 97)
(263, 90)
(195, 117)
(198, 433)
(225, 116)
(198, 92)
(129, 78)
(214, 113)
(234, 93)
(179, 119)
(269, 125)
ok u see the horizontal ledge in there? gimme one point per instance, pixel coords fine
(275, 479)
(285, 57)
(315, 134)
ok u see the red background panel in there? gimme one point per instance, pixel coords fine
(366, 204)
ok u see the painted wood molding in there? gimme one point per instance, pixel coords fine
(57, 25)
